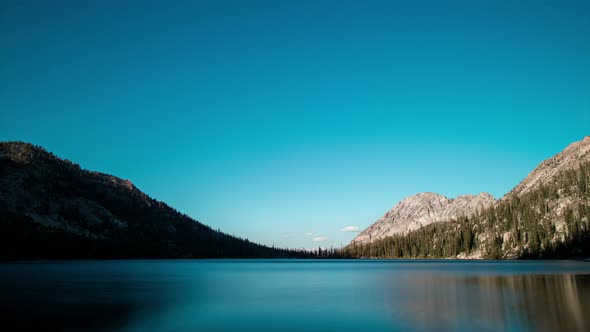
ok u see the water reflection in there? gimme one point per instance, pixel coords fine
(83, 296)
(294, 296)
(493, 303)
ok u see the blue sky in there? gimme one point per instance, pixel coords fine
(274, 119)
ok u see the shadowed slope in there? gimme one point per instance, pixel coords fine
(52, 208)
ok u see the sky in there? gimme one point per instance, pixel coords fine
(297, 123)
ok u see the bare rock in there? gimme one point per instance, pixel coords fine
(567, 159)
(423, 209)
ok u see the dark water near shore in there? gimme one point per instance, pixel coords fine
(295, 295)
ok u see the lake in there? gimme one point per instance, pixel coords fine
(295, 295)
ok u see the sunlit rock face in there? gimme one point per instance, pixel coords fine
(423, 209)
(569, 158)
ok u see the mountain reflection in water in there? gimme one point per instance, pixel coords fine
(494, 303)
(294, 295)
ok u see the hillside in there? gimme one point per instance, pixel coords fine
(569, 158)
(51, 208)
(546, 216)
(421, 210)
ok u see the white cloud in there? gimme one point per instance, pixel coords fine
(319, 239)
(309, 234)
(353, 229)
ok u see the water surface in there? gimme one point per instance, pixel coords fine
(295, 295)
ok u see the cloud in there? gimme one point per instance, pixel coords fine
(309, 234)
(353, 229)
(319, 239)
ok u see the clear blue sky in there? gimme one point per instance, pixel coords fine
(273, 119)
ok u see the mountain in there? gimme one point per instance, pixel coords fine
(547, 215)
(51, 208)
(423, 209)
(546, 171)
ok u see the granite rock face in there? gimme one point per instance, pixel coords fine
(423, 209)
(569, 158)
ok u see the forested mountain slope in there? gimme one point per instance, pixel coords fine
(51, 208)
(546, 216)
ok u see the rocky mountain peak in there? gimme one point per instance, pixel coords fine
(423, 209)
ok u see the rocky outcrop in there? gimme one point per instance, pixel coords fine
(568, 159)
(423, 209)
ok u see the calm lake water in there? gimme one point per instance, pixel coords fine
(295, 295)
